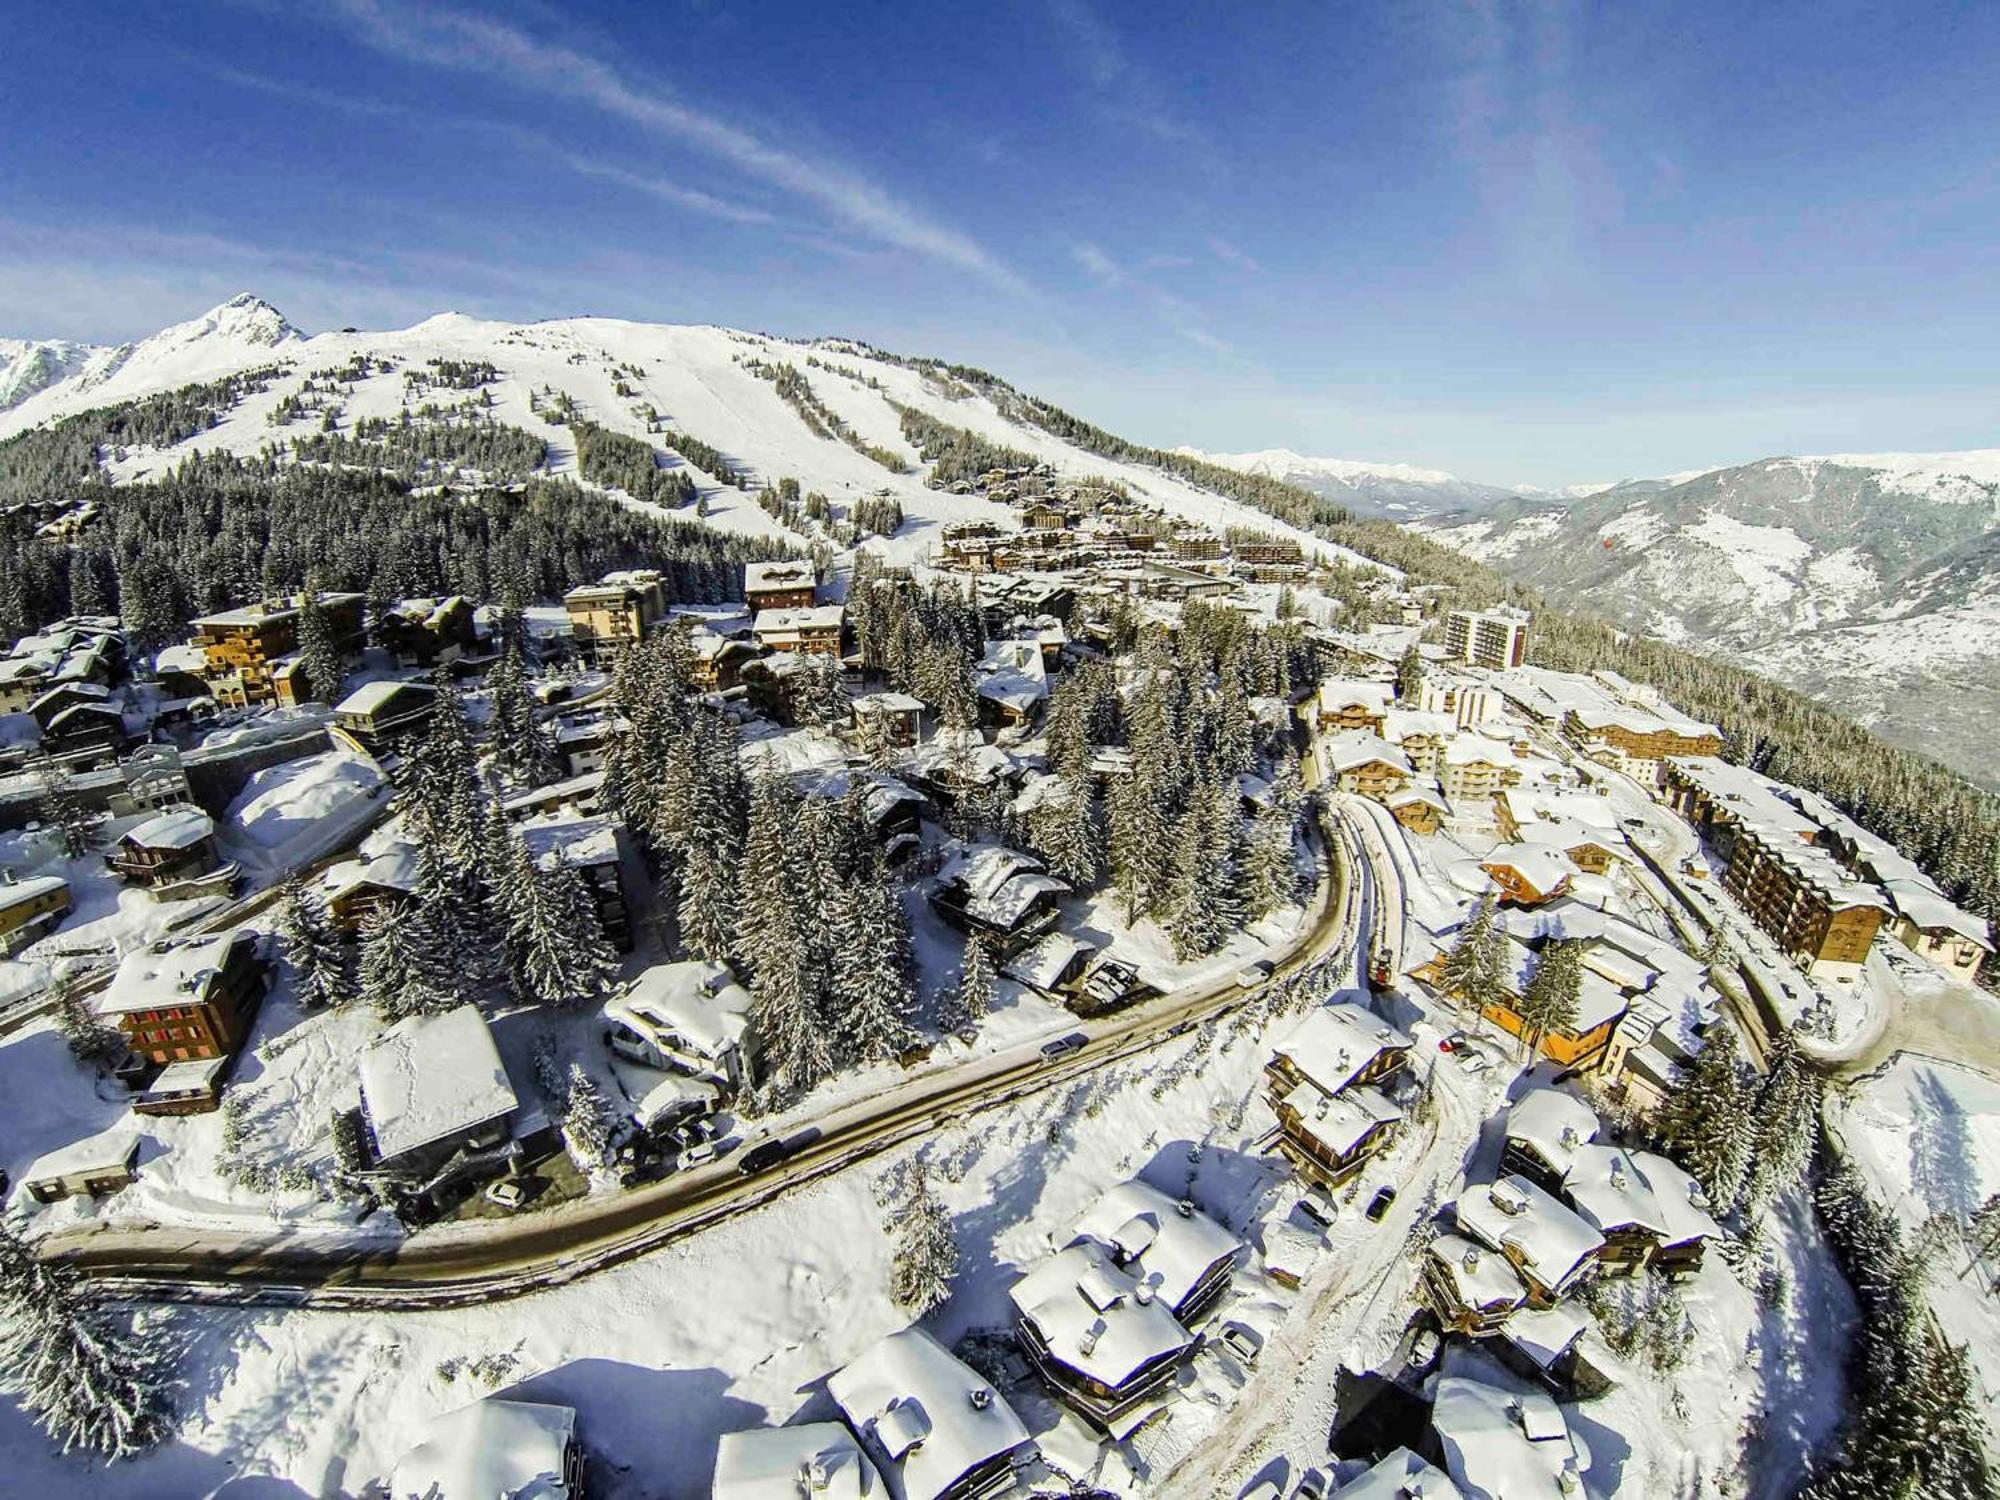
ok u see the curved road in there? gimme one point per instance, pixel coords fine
(443, 1269)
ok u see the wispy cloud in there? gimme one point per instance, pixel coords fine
(443, 38)
(1172, 310)
(1230, 254)
(1098, 262)
(300, 93)
(1121, 89)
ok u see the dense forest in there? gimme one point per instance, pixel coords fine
(629, 464)
(954, 453)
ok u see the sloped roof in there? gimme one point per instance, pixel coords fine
(170, 974)
(178, 828)
(490, 1450)
(1682, 1202)
(1611, 1193)
(1502, 1446)
(1342, 1121)
(1552, 1241)
(816, 1459)
(1096, 1316)
(697, 1000)
(1165, 1247)
(429, 1077)
(1557, 1125)
(927, 1417)
(1336, 1042)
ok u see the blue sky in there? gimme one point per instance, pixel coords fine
(1530, 243)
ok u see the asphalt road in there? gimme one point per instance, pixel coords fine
(459, 1265)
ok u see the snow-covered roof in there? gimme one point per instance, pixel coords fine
(1483, 1278)
(577, 842)
(1502, 1446)
(675, 1095)
(1043, 961)
(171, 973)
(1544, 869)
(698, 1002)
(490, 1450)
(429, 1077)
(1096, 1316)
(1550, 1241)
(1928, 908)
(1477, 750)
(178, 828)
(1360, 747)
(15, 893)
(1405, 723)
(1682, 1202)
(784, 574)
(928, 1418)
(1610, 1192)
(1336, 693)
(373, 697)
(1336, 1042)
(395, 869)
(1013, 673)
(888, 703)
(1343, 1121)
(1555, 1124)
(182, 658)
(1169, 1244)
(1546, 1334)
(1401, 1475)
(107, 1150)
(783, 621)
(812, 1461)
(999, 883)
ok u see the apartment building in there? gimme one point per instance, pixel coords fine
(1496, 638)
(244, 651)
(615, 612)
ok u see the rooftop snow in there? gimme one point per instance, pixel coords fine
(1550, 1241)
(1502, 1446)
(1336, 1042)
(1097, 1317)
(1168, 1249)
(429, 1077)
(490, 1450)
(182, 828)
(178, 975)
(697, 1001)
(1555, 1124)
(819, 1460)
(909, 1396)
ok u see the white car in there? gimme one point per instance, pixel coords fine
(508, 1193)
(1252, 975)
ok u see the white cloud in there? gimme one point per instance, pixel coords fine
(453, 39)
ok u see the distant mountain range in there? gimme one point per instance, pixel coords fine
(1869, 580)
(1399, 492)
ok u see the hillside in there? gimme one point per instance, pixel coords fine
(1396, 492)
(1871, 581)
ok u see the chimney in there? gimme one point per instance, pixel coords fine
(1186, 1207)
(981, 1397)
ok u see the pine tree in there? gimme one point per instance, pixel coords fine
(925, 1258)
(773, 945)
(1270, 879)
(1708, 1125)
(522, 748)
(89, 1383)
(1548, 1002)
(872, 991)
(319, 962)
(1474, 967)
(586, 1119)
(319, 651)
(1410, 675)
(708, 904)
(1786, 1122)
(62, 808)
(90, 1040)
(566, 960)
(388, 961)
(974, 996)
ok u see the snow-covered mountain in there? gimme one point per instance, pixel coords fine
(1872, 580)
(714, 384)
(1400, 492)
(31, 365)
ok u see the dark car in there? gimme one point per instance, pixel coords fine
(1379, 1205)
(767, 1154)
(1062, 1046)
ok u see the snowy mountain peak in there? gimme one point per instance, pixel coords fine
(31, 365)
(1281, 462)
(245, 318)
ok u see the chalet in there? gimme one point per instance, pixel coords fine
(577, 794)
(155, 780)
(1329, 1137)
(1421, 737)
(934, 1428)
(186, 1008)
(1475, 769)
(1336, 1047)
(494, 1449)
(1938, 930)
(1546, 1128)
(1497, 1444)
(94, 1167)
(1600, 1007)
(384, 717)
(432, 1086)
(582, 742)
(789, 584)
(22, 681)
(1268, 552)
(45, 708)
(241, 648)
(999, 894)
(691, 1018)
(1612, 1196)
(1688, 1226)
(814, 631)
(1181, 1255)
(716, 661)
(618, 611)
(86, 731)
(1097, 1334)
(166, 851)
(891, 809)
(1417, 808)
(1635, 741)
(30, 909)
(1401, 1475)
(802, 1461)
(592, 849)
(1592, 852)
(1527, 873)
(1473, 1290)
(1042, 515)
(1356, 761)
(1350, 703)
(889, 718)
(1012, 681)
(1051, 965)
(1550, 1245)
(428, 632)
(357, 889)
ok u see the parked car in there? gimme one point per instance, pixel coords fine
(1252, 975)
(767, 1154)
(1312, 1486)
(699, 1154)
(1242, 1342)
(1062, 1046)
(1379, 1204)
(508, 1193)
(1319, 1209)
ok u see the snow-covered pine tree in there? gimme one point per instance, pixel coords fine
(319, 651)
(974, 996)
(772, 945)
(87, 1381)
(90, 1040)
(1270, 878)
(709, 877)
(1708, 1125)
(61, 808)
(522, 748)
(586, 1119)
(1549, 1000)
(453, 957)
(566, 959)
(1140, 846)
(1786, 1120)
(445, 809)
(388, 961)
(872, 992)
(1410, 675)
(319, 961)
(1473, 969)
(925, 1258)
